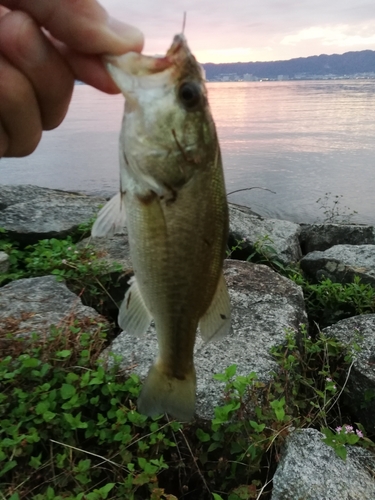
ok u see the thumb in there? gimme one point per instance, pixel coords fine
(83, 26)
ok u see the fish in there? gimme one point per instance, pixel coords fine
(173, 201)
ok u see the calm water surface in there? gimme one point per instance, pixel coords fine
(299, 139)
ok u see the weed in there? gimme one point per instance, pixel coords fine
(344, 435)
(328, 302)
(265, 253)
(237, 246)
(69, 428)
(333, 211)
(81, 268)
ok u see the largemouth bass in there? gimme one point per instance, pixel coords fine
(172, 194)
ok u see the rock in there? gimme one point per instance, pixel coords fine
(341, 263)
(322, 236)
(361, 382)
(264, 304)
(310, 470)
(111, 250)
(283, 235)
(35, 304)
(32, 213)
(4, 262)
(12, 195)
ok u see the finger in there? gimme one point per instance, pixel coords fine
(82, 25)
(24, 45)
(87, 68)
(21, 126)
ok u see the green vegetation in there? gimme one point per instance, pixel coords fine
(80, 266)
(69, 426)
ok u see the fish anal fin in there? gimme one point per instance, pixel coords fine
(134, 317)
(216, 322)
(162, 393)
(111, 218)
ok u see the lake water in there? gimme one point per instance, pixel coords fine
(298, 139)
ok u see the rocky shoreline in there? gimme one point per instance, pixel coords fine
(264, 304)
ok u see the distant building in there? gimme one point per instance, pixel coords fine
(248, 77)
(228, 77)
(282, 77)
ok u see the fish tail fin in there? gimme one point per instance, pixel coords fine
(162, 393)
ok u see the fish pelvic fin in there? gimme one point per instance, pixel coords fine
(134, 317)
(162, 393)
(111, 218)
(216, 322)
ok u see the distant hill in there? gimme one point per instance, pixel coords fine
(348, 64)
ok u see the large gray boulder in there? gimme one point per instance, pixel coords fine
(322, 236)
(264, 305)
(31, 213)
(35, 304)
(310, 470)
(360, 389)
(341, 263)
(283, 235)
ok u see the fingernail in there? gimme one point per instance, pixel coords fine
(131, 37)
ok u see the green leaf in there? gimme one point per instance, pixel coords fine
(15, 496)
(7, 467)
(65, 353)
(30, 362)
(257, 427)
(35, 462)
(104, 490)
(41, 407)
(231, 371)
(213, 446)
(341, 451)
(48, 416)
(67, 391)
(202, 436)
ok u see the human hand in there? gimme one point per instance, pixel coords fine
(44, 46)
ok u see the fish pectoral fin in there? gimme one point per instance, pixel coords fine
(111, 218)
(134, 317)
(216, 322)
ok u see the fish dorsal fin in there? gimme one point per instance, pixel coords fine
(134, 317)
(111, 218)
(216, 322)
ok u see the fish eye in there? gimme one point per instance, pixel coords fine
(190, 95)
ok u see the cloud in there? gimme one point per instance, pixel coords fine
(344, 36)
(243, 30)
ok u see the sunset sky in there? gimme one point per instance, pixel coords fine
(252, 30)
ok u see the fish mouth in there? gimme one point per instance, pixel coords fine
(140, 65)
(133, 69)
